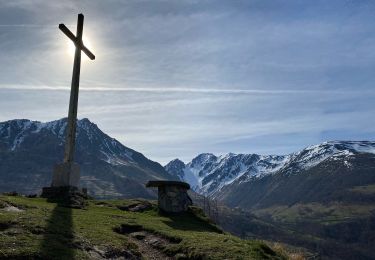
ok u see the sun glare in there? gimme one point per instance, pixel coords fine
(71, 47)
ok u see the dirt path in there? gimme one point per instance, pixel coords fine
(150, 246)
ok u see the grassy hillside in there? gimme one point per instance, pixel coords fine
(335, 230)
(34, 228)
(328, 209)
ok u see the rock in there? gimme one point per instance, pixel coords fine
(128, 228)
(138, 235)
(5, 225)
(156, 242)
(181, 256)
(138, 206)
(11, 208)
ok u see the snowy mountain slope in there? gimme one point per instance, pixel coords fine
(208, 174)
(29, 149)
(14, 132)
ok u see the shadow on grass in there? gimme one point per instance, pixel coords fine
(190, 221)
(58, 238)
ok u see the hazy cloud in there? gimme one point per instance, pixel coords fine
(176, 78)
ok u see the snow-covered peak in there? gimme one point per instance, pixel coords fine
(15, 131)
(175, 163)
(13, 134)
(315, 154)
(201, 159)
(354, 146)
(208, 173)
(57, 127)
(176, 168)
(339, 146)
(86, 124)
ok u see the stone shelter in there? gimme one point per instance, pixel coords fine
(172, 195)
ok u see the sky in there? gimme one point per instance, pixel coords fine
(173, 79)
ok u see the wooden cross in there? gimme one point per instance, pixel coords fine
(73, 103)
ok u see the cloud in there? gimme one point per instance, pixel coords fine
(176, 78)
(183, 90)
(27, 25)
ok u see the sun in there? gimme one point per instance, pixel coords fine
(72, 48)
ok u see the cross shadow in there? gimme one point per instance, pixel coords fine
(58, 237)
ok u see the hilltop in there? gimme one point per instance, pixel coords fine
(115, 229)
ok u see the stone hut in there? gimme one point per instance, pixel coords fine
(172, 195)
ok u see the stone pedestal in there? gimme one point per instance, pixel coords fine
(173, 199)
(65, 174)
(67, 196)
(64, 188)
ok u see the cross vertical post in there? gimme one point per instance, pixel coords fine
(67, 173)
(73, 103)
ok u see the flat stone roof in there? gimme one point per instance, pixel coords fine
(167, 183)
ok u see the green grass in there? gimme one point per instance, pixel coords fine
(46, 230)
(315, 212)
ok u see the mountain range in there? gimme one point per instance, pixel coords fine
(227, 177)
(29, 150)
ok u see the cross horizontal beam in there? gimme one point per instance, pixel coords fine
(77, 42)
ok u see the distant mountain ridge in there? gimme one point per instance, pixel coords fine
(29, 149)
(322, 197)
(208, 173)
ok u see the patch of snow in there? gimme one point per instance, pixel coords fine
(243, 170)
(57, 127)
(347, 164)
(191, 177)
(363, 147)
(24, 126)
(17, 141)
